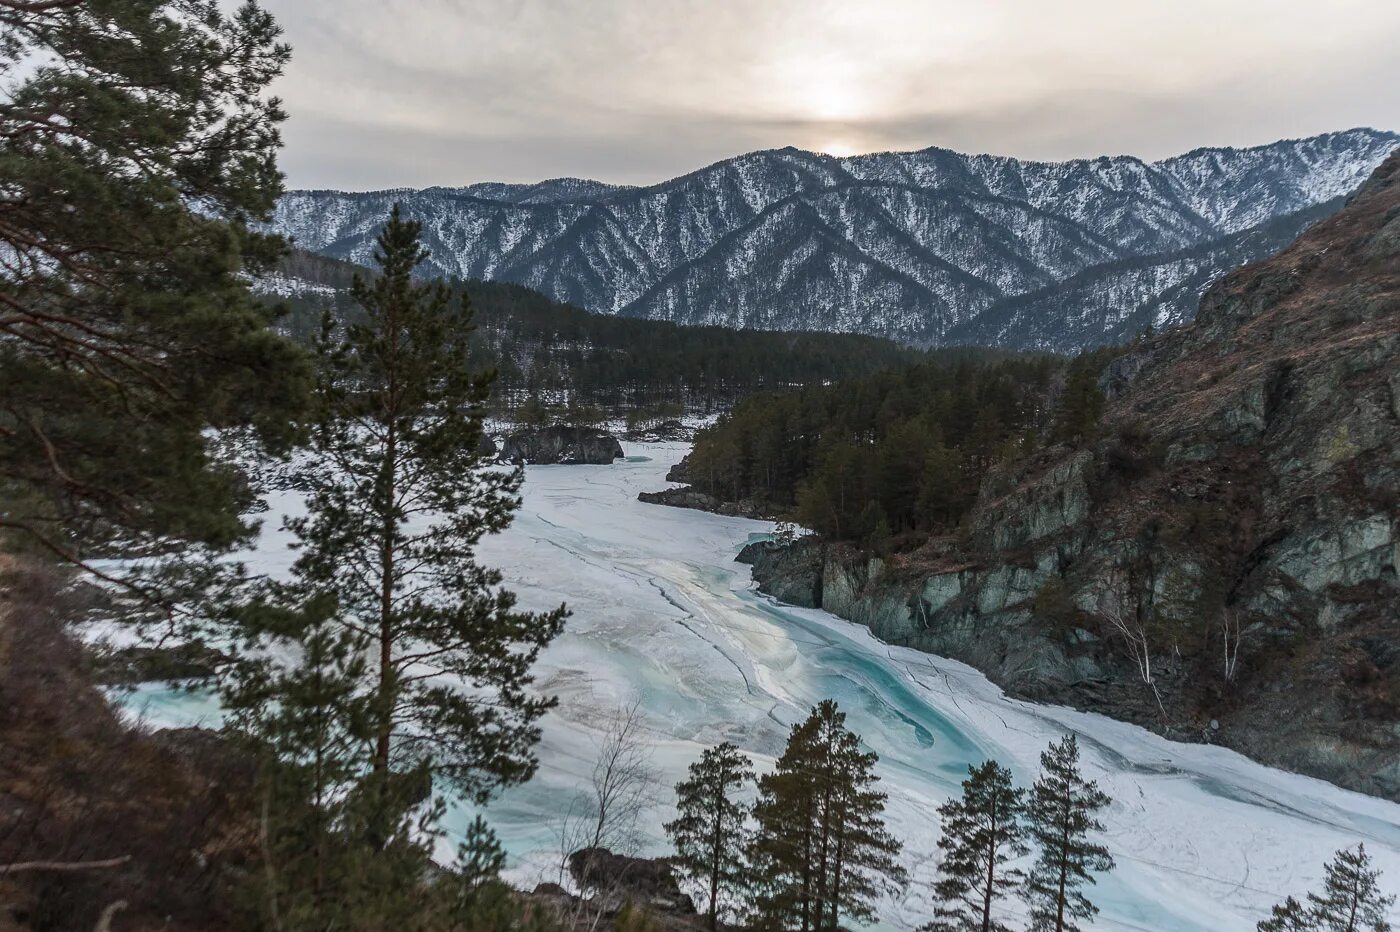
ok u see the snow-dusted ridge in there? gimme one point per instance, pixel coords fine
(911, 245)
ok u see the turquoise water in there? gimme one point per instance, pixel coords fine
(663, 617)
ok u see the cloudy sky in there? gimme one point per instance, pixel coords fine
(390, 93)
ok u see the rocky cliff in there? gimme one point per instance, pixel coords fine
(1221, 563)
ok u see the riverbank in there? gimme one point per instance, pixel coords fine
(663, 615)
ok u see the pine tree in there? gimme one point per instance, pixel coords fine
(941, 494)
(421, 661)
(1351, 898)
(1061, 815)
(1081, 404)
(710, 830)
(139, 149)
(821, 852)
(1288, 916)
(532, 413)
(982, 833)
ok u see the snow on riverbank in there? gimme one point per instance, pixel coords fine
(1206, 840)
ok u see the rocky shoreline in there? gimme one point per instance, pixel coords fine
(687, 496)
(1222, 563)
(992, 617)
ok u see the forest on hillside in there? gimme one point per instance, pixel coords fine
(555, 352)
(896, 455)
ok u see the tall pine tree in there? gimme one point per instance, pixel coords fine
(139, 152)
(1351, 899)
(710, 830)
(412, 667)
(1061, 817)
(821, 852)
(982, 833)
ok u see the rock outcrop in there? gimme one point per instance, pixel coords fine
(679, 472)
(617, 879)
(661, 432)
(1221, 564)
(561, 444)
(689, 497)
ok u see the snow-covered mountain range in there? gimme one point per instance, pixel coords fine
(928, 247)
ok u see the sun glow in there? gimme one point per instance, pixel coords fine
(838, 148)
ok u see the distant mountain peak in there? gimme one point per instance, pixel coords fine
(929, 246)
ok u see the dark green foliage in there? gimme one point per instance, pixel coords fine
(412, 667)
(897, 453)
(138, 149)
(1351, 900)
(983, 833)
(542, 348)
(532, 413)
(709, 832)
(1288, 916)
(1060, 814)
(821, 853)
(1081, 403)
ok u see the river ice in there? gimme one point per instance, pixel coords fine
(1205, 839)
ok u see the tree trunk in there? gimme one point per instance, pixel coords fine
(716, 857)
(991, 876)
(1064, 863)
(836, 877)
(386, 606)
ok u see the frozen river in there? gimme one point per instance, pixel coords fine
(1205, 839)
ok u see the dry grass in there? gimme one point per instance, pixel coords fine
(79, 785)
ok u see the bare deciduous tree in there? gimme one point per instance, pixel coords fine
(1127, 620)
(1232, 634)
(623, 784)
(607, 812)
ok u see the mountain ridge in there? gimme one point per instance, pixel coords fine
(1219, 560)
(906, 245)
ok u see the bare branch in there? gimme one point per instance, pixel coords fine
(62, 866)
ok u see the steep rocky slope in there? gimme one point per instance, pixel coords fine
(912, 245)
(1221, 564)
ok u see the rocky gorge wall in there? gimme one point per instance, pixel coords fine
(1221, 563)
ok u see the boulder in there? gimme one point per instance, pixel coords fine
(620, 878)
(561, 444)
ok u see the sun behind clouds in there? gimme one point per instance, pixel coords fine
(840, 148)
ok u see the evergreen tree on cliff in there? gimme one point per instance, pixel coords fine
(710, 830)
(821, 853)
(983, 833)
(420, 662)
(137, 151)
(1061, 817)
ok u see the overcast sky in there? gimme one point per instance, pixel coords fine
(392, 93)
